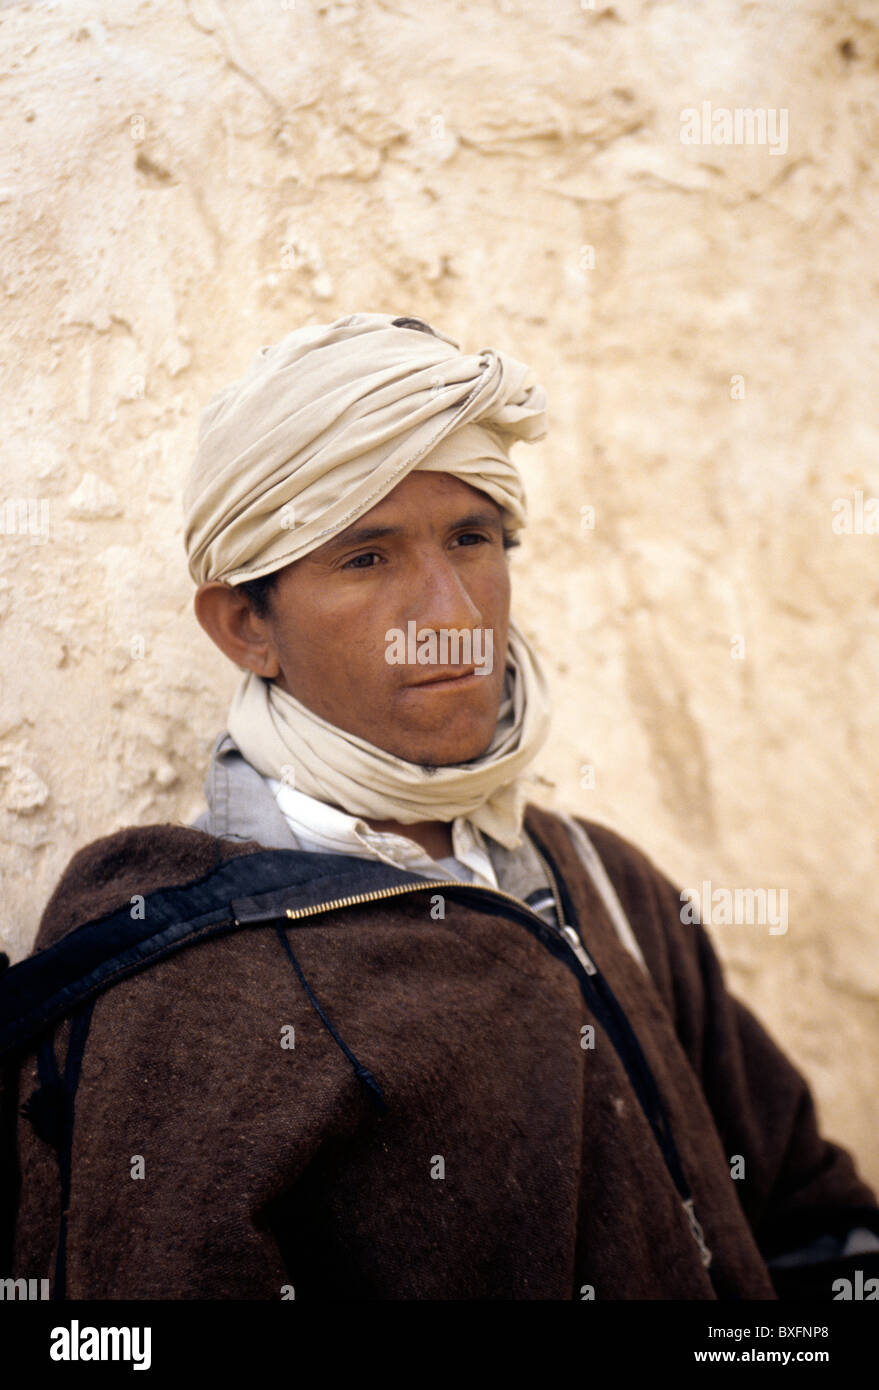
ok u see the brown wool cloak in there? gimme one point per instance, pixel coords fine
(266, 1167)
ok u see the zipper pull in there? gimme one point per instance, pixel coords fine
(579, 950)
(698, 1234)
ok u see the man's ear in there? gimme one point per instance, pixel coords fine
(230, 622)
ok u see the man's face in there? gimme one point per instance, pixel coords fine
(432, 553)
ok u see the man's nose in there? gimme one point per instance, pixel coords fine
(439, 598)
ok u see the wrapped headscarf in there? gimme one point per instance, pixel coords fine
(323, 426)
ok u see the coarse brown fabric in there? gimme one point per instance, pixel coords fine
(267, 1168)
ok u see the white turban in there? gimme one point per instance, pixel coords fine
(323, 426)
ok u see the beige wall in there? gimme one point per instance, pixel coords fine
(185, 183)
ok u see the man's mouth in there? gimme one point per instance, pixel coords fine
(443, 679)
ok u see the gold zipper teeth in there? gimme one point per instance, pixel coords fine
(296, 912)
(573, 943)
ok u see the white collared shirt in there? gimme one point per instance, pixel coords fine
(322, 828)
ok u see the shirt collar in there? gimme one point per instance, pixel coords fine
(320, 827)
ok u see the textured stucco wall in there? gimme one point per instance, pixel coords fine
(182, 183)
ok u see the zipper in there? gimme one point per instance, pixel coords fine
(579, 949)
(564, 932)
(295, 913)
(569, 933)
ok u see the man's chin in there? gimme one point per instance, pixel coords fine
(436, 737)
(449, 736)
(433, 754)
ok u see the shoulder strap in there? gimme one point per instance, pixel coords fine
(47, 986)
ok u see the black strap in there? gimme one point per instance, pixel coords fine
(614, 1020)
(10, 1174)
(363, 1074)
(46, 986)
(51, 1111)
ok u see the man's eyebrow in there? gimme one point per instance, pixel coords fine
(481, 518)
(359, 535)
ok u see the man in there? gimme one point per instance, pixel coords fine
(375, 1027)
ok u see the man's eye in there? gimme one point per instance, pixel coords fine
(474, 535)
(354, 562)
